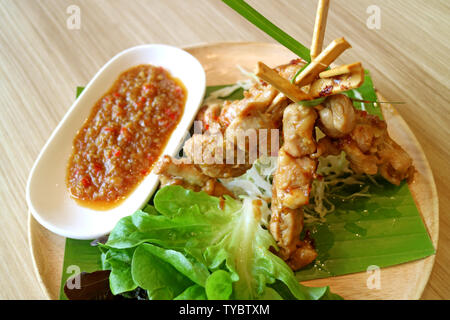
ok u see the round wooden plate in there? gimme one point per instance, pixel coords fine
(405, 281)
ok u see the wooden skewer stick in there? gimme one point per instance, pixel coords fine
(319, 28)
(322, 61)
(344, 69)
(281, 84)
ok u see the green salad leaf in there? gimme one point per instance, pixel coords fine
(157, 273)
(119, 262)
(219, 285)
(194, 292)
(198, 241)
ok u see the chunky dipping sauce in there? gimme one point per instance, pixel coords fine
(124, 135)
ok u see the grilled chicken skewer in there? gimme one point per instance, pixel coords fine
(365, 140)
(363, 137)
(292, 185)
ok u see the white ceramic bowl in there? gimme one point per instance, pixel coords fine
(47, 195)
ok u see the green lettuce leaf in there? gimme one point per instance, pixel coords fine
(245, 252)
(160, 278)
(187, 266)
(219, 285)
(196, 234)
(119, 262)
(194, 292)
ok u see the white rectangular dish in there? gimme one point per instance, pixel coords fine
(47, 195)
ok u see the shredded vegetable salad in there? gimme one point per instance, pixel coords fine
(334, 175)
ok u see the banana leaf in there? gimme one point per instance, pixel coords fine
(381, 230)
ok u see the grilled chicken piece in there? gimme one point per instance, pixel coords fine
(180, 169)
(368, 146)
(209, 117)
(303, 255)
(288, 71)
(216, 157)
(298, 129)
(260, 98)
(395, 164)
(255, 134)
(178, 172)
(255, 102)
(248, 125)
(286, 221)
(285, 226)
(337, 118)
(293, 179)
(326, 147)
(360, 162)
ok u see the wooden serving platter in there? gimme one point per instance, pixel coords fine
(405, 281)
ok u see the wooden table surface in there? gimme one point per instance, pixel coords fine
(42, 61)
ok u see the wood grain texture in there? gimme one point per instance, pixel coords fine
(41, 63)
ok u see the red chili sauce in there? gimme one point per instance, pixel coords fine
(124, 135)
